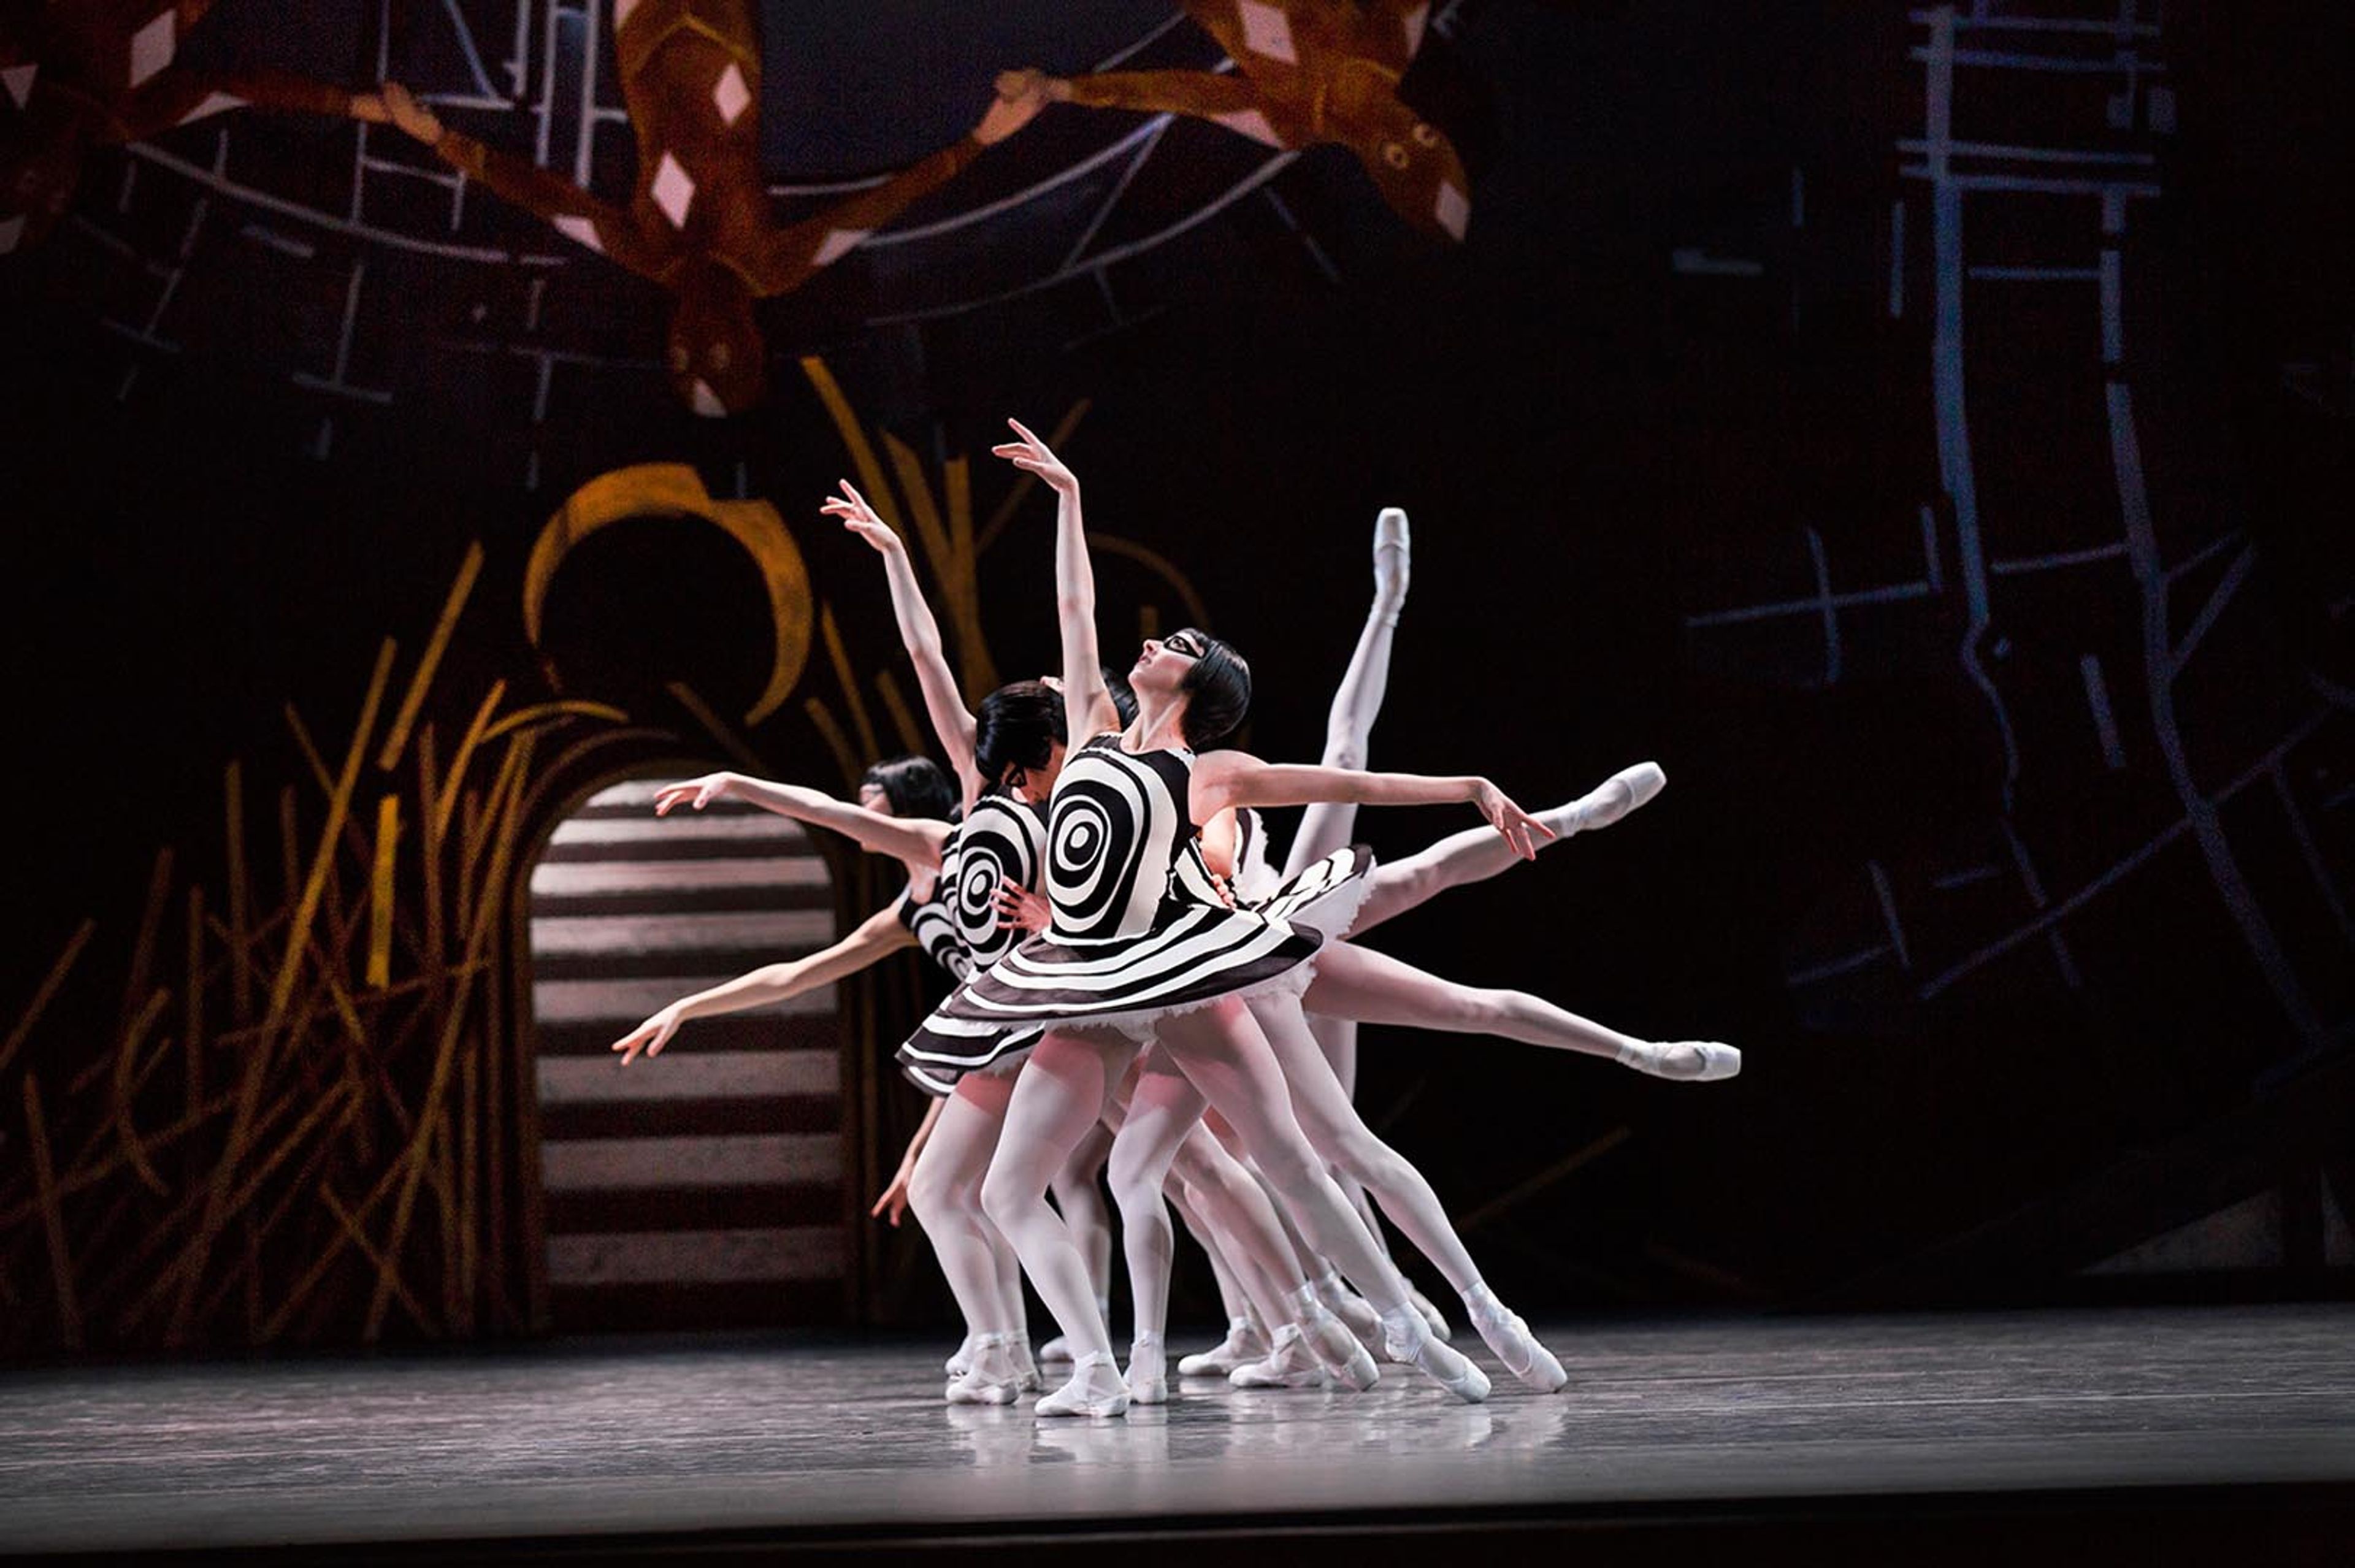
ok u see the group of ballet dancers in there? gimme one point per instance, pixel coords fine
(1144, 1002)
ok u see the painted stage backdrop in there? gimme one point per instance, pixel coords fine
(1923, 429)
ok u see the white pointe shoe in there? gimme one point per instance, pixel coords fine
(1611, 799)
(1339, 1351)
(1445, 1366)
(992, 1379)
(1356, 1313)
(1095, 1390)
(1026, 1369)
(1242, 1346)
(1518, 1349)
(1148, 1372)
(960, 1361)
(1058, 1349)
(1431, 1315)
(1292, 1364)
(1687, 1061)
(1393, 557)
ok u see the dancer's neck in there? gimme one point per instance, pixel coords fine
(1161, 724)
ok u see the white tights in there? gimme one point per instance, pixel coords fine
(1356, 983)
(944, 1191)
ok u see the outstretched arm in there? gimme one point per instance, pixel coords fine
(916, 840)
(943, 703)
(879, 934)
(1224, 779)
(1087, 708)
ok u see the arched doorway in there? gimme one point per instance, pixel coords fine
(703, 1188)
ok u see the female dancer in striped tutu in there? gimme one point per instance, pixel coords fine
(1123, 953)
(955, 870)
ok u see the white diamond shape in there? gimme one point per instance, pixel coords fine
(838, 242)
(622, 9)
(12, 230)
(673, 190)
(580, 232)
(151, 46)
(707, 403)
(1251, 123)
(1413, 22)
(730, 94)
(214, 103)
(1267, 32)
(18, 79)
(1452, 210)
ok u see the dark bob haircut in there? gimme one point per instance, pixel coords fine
(1219, 689)
(1017, 730)
(916, 786)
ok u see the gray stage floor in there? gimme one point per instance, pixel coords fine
(582, 1439)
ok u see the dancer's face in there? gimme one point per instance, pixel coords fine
(872, 798)
(1035, 785)
(1162, 665)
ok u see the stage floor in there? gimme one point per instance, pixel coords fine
(785, 1438)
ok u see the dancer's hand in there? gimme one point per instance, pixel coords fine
(1521, 829)
(894, 1198)
(651, 1036)
(697, 793)
(1019, 909)
(1030, 456)
(862, 519)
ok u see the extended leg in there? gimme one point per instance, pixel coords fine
(1059, 1094)
(1480, 853)
(944, 1191)
(1374, 988)
(1221, 1048)
(1080, 1199)
(1341, 1137)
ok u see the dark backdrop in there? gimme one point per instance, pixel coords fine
(2020, 984)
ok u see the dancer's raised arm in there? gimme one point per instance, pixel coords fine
(943, 703)
(914, 840)
(1087, 705)
(1222, 779)
(879, 934)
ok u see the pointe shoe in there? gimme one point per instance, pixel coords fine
(1354, 1311)
(1431, 1315)
(1338, 1350)
(992, 1379)
(1611, 799)
(961, 1360)
(1445, 1366)
(1087, 1393)
(1026, 1369)
(1147, 1377)
(1242, 1346)
(1394, 561)
(1292, 1364)
(1687, 1061)
(1518, 1349)
(1058, 1349)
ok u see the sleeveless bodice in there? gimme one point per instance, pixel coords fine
(1118, 825)
(1001, 840)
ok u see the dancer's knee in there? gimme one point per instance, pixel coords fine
(1008, 1198)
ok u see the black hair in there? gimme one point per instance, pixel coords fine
(1017, 728)
(916, 786)
(1220, 687)
(1124, 698)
